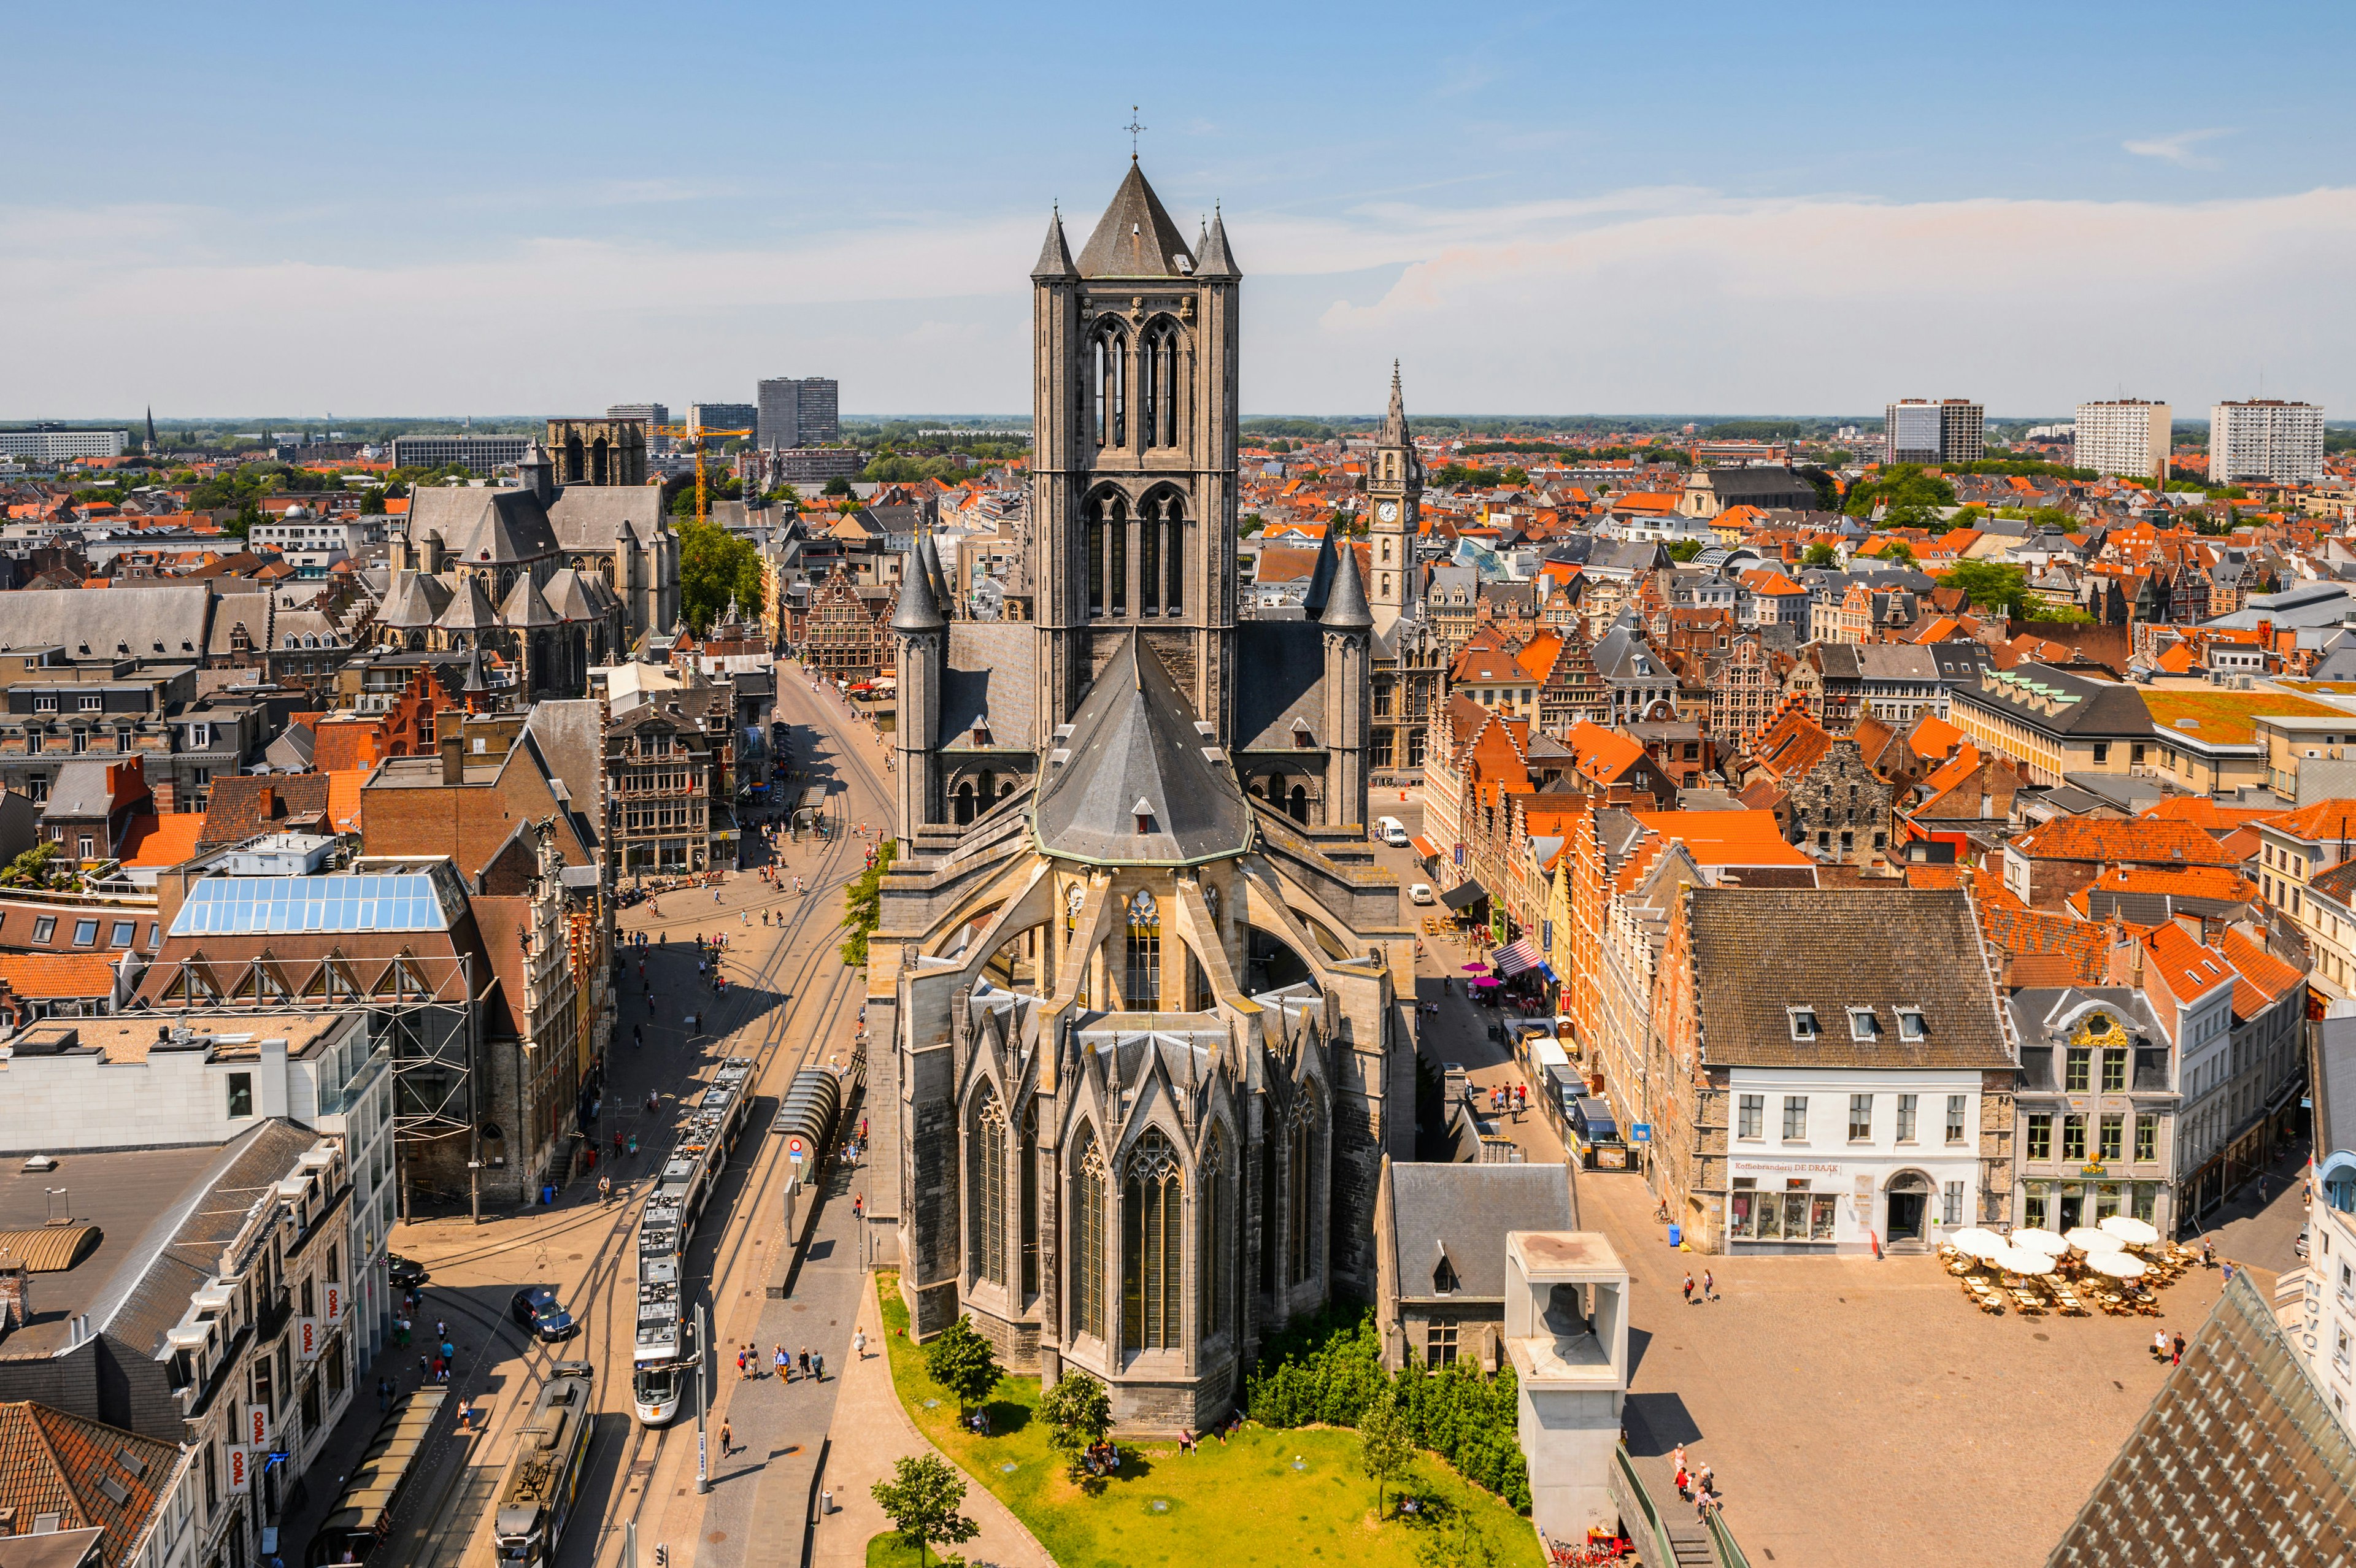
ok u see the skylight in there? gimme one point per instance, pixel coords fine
(230, 906)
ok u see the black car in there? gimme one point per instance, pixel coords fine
(536, 1308)
(405, 1273)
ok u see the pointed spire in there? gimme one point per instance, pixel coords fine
(1394, 432)
(1345, 600)
(917, 611)
(1216, 261)
(1054, 256)
(1135, 238)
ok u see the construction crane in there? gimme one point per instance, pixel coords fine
(694, 440)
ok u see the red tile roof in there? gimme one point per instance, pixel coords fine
(2139, 842)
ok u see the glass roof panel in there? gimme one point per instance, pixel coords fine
(230, 906)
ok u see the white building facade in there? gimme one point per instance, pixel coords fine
(2265, 438)
(2128, 436)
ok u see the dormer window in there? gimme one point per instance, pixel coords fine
(1143, 812)
(1911, 1026)
(1443, 1278)
(1803, 1025)
(982, 731)
(1863, 1025)
(1301, 738)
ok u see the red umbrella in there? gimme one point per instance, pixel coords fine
(1485, 982)
(1476, 966)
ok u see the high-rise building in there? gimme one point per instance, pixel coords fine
(1917, 429)
(55, 443)
(483, 454)
(2265, 438)
(652, 414)
(2128, 436)
(797, 412)
(721, 416)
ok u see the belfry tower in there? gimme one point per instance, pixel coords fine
(1133, 493)
(1395, 491)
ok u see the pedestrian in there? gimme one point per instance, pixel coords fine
(2229, 1271)
(2160, 1345)
(858, 1206)
(740, 1366)
(449, 1352)
(1678, 1460)
(782, 1376)
(1690, 1287)
(605, 1190)
(727, 1440)
(818, 1366)
(802, 1358)
(424, 1366)
(1706, 1481)
(858, 1345)
(441, 1330)
(2208, 1253)
(2177, 1360)
(1708, 1286)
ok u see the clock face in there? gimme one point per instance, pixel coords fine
(1387, 511)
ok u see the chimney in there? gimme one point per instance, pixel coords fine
(454, 754)
(15, 1295)
(268, 797)
(7, 1522)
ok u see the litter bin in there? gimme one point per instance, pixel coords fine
(1677, 1234)
(548, 1201)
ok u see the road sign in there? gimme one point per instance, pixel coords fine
(1640, 1132)
(794, 1149)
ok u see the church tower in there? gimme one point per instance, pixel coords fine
(1133, 493)
(1395, 491)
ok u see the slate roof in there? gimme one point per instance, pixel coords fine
(1135, 238)
(1465, 1210)
(2087, 706)
(2335, 1087)
(495, 526)
(1133, 739)
(81, 791)
(51, 1462)
(1758, 953)
(1285, 658)
(597, 517)
(413, 599)
(2239, 1450)
(525, 607)
(97, 624)
(470, 608)
(991, 669)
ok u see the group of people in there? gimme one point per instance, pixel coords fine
(748, 1363)
(1696, 1485)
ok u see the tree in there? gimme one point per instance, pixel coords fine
(962, 1361)
(715, 566)
(1821, 555)
(1078, 1413)
(35, 867)
(1909, 493)
(838, 485)
(1385, 1452)
(1466, 1545)
(1684, 549)
(922, 1501)
(1899, 551)
(1993, 586)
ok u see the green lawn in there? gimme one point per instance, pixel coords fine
(888, 1551)
(1277, 1498)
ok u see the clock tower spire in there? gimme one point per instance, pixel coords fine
(1395, 491)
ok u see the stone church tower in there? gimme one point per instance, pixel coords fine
(1135, 965)
(1133, 489)
(1394, 493)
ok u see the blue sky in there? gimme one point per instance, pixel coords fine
(431, 208)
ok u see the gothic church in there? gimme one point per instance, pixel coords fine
(1140, 975)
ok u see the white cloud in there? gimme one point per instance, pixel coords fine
(1664, 299)
(2178, 148)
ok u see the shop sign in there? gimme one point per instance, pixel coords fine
(1783, 1168)
(2091, 1170)
(306, 1338)
(256, 1431)
(333, 1302)
(1640, 1132)
(241, 1469)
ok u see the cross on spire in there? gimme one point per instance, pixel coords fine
(1133, 128)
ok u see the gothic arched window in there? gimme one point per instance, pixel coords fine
(1214, 1266)
(986, 1147)
(1149, 572)
(1174, 553)
(1030, 1199)
(1110, 372)
(1117, 561)
(1088, 1241)
(1301, 1188)
(1093, 532)
(1142, 985)
(1153, 1246)
(1158, 378)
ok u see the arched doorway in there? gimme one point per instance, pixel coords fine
(965, 804)
(1908, 1219)
(1298, 804)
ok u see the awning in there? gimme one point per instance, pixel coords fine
(1464, 895)
(1425, 847)
(1513, 958)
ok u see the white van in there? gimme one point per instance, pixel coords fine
(1391, 830)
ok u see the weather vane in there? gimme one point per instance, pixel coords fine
(1133, 128)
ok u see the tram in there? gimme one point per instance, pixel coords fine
(664, 1352)
(544, 1477)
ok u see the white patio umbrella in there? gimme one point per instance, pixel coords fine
(2118, 1265)
(1976, 1240)
(2089, 1241)
(2037, 1239)
(2025, 1260)
(2135, 1232)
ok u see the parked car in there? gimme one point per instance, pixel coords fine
(536, 1308)
(405, 1274)
(1419, 894)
